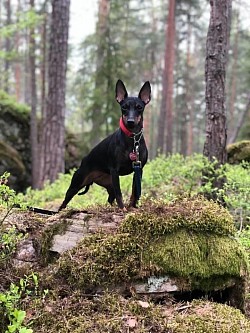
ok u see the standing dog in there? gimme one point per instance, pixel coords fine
(115, 155)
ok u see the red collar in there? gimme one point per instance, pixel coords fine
(124, 129)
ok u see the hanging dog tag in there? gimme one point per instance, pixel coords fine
(132, 156)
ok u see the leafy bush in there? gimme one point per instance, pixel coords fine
(10, 302)
(9, 239)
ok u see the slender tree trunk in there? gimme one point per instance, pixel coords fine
(1, 46)
(43, 59)
(7, 47)
(17, 67)
(185, 119)
(162, 115)
(240, 122)
(43, 79)
(26, 63)
(170, 60)
(102, 29)
(165, 127)
(215, 75)
(189, 93)
(33, 115)
(233, 85)
(53, 128)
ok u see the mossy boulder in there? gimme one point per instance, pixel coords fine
(15, 142)
(15, 145)
(238, 152)
(192, 241)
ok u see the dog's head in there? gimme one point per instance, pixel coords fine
(132, 107)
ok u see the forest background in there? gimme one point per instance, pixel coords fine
(129, 41)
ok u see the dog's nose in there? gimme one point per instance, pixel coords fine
(130, 122)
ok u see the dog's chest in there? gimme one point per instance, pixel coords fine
(128, 156)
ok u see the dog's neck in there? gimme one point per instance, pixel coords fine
(126, 131)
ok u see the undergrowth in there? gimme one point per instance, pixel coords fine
(164, 177)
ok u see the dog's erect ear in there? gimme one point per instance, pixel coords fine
(120, 91)
(145, 93)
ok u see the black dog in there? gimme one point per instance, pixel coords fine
(115, 155)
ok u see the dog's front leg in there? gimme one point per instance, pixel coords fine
(134, 195)
(117, 188)
(133, 201)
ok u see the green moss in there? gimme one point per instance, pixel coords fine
(101, 259)
(238, 152)
(9, 105)
(191, 239)
(196, 214)
(211, 318)
(111, 313)
(45, 240)
(11, 154)
(202, 258)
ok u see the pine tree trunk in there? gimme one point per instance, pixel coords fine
(33, 115)
(17, 66)
(7, 47)
(242, 118)
(170, 60)
(102, 32)
(215, 75)
(43, 80)
(189, 93)
(234, 76)
(53, 143)
(165, 126)
(1, 46)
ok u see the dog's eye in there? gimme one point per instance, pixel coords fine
(139, 107)
(124, 108)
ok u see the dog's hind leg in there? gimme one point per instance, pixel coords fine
(117, 188)
(77, 183)
(111, 193)
(85, 190)
(69, 195)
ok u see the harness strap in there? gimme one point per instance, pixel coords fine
(134, 156)
(137, 175)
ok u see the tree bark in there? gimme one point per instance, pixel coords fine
(215, 75)
(7, 47)
(17, 65)
(33, 114)
(53, 139)
(102, 29)
(44, 59)
(165, 138)
(233, 85)
(240, 122)
(170, 60)
(189, 93)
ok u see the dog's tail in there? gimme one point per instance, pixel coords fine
(85, 190)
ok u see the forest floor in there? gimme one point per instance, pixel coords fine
(108, 219)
